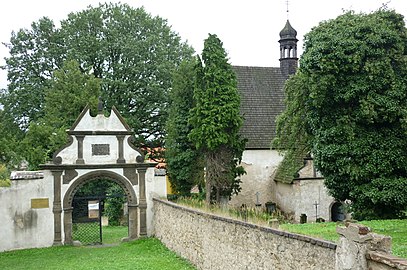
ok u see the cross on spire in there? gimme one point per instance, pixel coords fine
(287, 3)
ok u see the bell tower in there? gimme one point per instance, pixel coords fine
(288, 50)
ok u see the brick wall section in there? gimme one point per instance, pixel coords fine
(214, 242)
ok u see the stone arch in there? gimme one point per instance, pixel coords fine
(124, 183)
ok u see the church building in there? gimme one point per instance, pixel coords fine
(262, 100)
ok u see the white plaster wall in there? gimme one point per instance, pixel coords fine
(100, 123)
(260, 166)
(300, 197)
(100, 159)
(70, 153)
(20, 226)
(156, 187)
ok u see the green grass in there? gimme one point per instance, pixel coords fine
(114, 234)
(143, 254)
(397, 229)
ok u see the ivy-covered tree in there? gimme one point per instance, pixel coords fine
(216, 120)
(355, 79)
(292, 132)
(133, 53)
(184, 162)
(69, 92)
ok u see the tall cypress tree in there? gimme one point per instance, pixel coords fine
(216, 120)
(184, 162)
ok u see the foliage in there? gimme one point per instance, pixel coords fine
(216, 120)
(10, 137)
(292, 136)
(4, 176)
(142, 254)
(114, 204)
(396, 228)
(132, 53)
(184, 162)
(48, 133)
(354, 78)
(254, 215)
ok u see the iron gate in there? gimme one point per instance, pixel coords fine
(87, 220)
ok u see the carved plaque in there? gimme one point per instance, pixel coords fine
(39, 203)
(100, 150)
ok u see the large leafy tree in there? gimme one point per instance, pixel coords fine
(133, 53)
(45, 135)
(293, 136)
(184, 162)
(355, 70)
(216, 120)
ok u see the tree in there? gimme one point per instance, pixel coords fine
(292, 133)
(355, 69)
(133, 53)
(216, 120)
(48, 133)
(184, 162)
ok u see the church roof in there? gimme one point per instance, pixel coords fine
(262, 100)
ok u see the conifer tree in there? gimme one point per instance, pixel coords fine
(216, 120)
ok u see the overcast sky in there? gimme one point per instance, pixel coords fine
(249, 29)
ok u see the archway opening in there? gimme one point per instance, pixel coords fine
(337, 212)
(99, 212)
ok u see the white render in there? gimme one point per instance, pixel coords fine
(20, 225)
(260, 166)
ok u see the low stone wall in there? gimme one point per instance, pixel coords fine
(377, 260)
(213, 242)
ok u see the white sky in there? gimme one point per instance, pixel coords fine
(249, 29)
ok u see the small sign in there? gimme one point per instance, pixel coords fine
(93, 209)
(38, 203)
(100, 150)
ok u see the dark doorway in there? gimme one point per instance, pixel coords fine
(337, 212)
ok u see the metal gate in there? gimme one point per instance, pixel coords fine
(87, 220)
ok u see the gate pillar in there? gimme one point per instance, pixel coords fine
(133, 221)
(68, 226)
(143, 202)
(56, 208)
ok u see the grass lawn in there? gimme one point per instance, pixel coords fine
(114, 234)
(143, 254)
(395, 228)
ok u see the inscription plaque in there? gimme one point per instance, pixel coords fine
(100, 149)
(39, 203)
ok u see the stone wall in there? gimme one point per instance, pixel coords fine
(213, 242)
(360, 249)
(26, 218)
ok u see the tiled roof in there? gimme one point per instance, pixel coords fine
(262, 99)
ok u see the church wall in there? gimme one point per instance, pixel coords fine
(300, 198)
(260, 166)
(25, 223)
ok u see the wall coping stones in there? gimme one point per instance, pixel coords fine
(304, 238)
(26, 175)
(388, 259)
